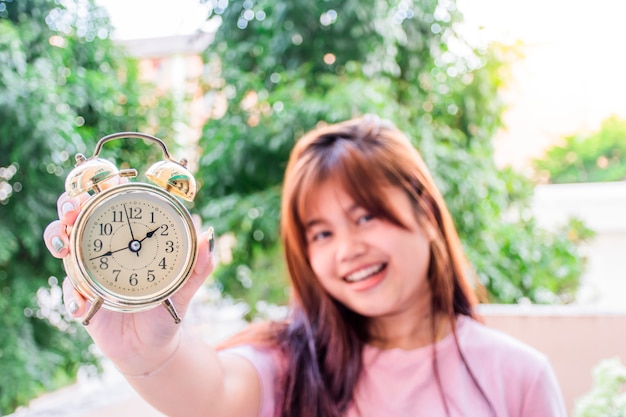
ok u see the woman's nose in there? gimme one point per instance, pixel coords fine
(350, 246)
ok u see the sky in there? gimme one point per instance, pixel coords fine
(139, 19)
(572, 76)
(569, 81)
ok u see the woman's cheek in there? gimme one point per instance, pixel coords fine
(320, 262)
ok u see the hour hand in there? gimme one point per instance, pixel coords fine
(150, 234)
(109, 253)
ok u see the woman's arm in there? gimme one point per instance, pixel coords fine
(170, 368)
(196, 381)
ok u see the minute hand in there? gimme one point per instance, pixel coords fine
(128, 221)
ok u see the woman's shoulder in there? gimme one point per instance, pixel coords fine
(502, 362)
(488, 345)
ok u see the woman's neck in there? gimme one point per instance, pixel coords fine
(408, 332)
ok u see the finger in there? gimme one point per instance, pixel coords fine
(68, 209)
(56, 239)
(204, 266)
(75, 303)
(206, 247)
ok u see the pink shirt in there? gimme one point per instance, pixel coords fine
(518, 380)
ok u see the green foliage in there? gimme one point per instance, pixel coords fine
(595, 157)
(607, 397)
(282, 67)
(63, 85)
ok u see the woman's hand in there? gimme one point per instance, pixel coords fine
(136, 342)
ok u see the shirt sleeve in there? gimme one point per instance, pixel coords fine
(544, 397)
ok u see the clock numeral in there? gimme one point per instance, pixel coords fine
(106, 229)
(164, 230)
(152, 217)
(135, 213)
(169, 246)
(117, 216)
(104, 263)
(97, 244)
(162, 264)
(133, 279)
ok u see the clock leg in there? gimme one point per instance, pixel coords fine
(95, 306)
(172, 310)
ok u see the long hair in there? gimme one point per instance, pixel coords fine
(322, 339)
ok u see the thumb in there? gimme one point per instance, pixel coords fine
(206, 245)
(203, 267)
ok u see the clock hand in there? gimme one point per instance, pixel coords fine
(150, 234)
(133, 246)
(109, 253)
(132, 236)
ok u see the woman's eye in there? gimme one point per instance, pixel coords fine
(313, 237)
(364, 218)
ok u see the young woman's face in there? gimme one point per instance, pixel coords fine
(369, 264)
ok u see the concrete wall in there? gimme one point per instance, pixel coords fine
(575, 338)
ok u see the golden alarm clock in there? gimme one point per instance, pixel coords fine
(133, 244)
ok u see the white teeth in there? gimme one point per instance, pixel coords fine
(364, 273)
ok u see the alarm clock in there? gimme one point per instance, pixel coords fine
(133, 244)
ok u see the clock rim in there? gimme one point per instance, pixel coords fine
(91, 289)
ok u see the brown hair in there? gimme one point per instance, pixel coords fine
(322, 339)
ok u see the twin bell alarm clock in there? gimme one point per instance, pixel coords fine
(133, 244)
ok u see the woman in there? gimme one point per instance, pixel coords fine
(382, 319)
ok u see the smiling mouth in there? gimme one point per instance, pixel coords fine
(365, 273)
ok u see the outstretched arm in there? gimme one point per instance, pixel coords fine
(170, 368)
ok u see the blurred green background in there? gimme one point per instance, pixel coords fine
(276, 69)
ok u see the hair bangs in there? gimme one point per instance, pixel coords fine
(363, 175)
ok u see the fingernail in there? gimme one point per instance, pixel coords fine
(211, 239)
(72, 307)
(67, 207)
(58, 244)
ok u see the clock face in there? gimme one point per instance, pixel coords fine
(136, 244)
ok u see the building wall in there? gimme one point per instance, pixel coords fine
(602, 207)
